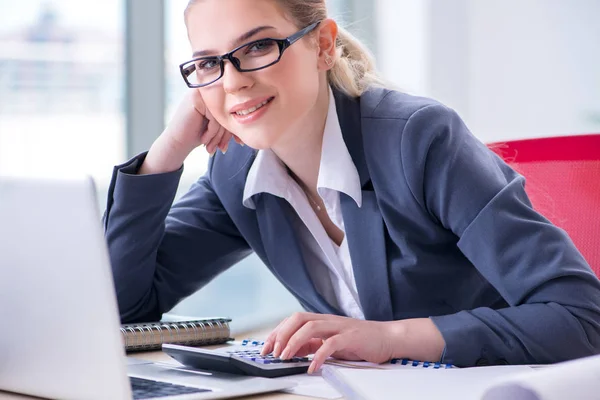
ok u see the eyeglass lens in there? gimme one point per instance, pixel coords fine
(253, 56)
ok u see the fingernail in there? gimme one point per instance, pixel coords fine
(311, 368)
(277, 349)
(224, 151)
(285, 353)
(263, 351)
(213, 153)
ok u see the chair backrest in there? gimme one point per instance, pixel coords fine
(563, 182)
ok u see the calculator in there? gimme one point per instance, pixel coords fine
(241, 359)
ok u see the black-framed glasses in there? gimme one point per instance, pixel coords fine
(259, 54)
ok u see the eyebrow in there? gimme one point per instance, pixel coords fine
(241, 39)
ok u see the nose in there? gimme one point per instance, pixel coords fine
(234, 80)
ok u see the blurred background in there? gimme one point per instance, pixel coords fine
(84, 85)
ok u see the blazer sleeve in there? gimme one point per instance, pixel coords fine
(162, 252)
(553, 295)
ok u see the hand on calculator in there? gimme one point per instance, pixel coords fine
(243, 358)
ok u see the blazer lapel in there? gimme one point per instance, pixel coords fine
(284, 254)
(365, 230)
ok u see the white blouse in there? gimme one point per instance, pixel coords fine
(329, 266)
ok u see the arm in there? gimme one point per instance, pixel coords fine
(161, 254)
(554, 297)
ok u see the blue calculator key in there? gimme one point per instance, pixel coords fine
(448, 365)
(426, 364)
(437, 365)
(404, 361)
(415, 363)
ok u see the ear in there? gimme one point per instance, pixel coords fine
(326, 40)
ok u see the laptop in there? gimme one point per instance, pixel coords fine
(60, 333)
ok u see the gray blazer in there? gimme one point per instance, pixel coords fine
(445, 231)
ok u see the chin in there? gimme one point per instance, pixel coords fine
(259, 139)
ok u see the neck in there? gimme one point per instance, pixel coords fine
(300, 149)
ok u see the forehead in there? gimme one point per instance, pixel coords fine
(216, 24)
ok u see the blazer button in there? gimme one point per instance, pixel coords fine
(501, 361)
(482, 362)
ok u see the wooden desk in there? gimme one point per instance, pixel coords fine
(162, 357)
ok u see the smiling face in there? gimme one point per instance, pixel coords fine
(260, 107)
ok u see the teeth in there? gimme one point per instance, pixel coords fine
(252, 109)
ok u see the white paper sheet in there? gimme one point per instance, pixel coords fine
(447, 384)
(311, 385)
(578, 379)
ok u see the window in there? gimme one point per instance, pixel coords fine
(61, 89)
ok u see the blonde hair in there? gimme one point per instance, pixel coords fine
(354, 67)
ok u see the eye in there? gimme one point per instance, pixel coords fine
(207, 65)
(261, 46)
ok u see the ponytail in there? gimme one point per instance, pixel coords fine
(354, 68)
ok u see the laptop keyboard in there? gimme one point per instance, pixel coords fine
(149, 389)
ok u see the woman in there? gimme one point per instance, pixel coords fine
(398, 232)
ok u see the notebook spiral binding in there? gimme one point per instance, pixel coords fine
(150, 336)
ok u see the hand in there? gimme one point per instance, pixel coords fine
(193, 125)
(331, 335)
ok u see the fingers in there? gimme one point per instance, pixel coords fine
(295, 323)
(212, 146)
(224, 143)
(309, 348)
(310, 330)
(212, 129)
(215, 136)
(238, 140)
(328, 347)
(270, 342)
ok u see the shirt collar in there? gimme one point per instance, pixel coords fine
(337, 171)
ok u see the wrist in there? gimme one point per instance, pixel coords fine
(417, 339)
(165, 155)
(395, 332)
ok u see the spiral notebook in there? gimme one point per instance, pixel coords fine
(151, 336)
(394, 363)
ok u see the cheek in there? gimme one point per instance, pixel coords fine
(214, 100)
(297, 79)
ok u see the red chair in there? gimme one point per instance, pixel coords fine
(563, 182)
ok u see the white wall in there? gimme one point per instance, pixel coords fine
(402, 32)
(511, 68)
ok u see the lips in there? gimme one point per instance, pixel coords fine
(250, 112)
(253, 108)
(250, 106)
